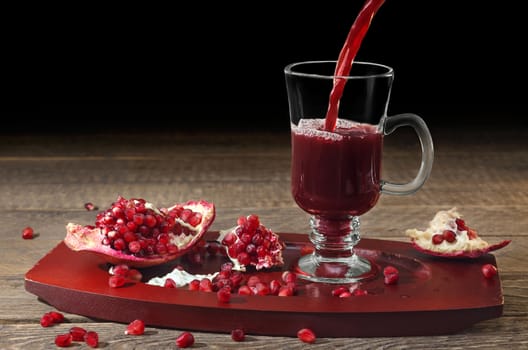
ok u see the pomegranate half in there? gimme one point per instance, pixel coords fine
(136, 233)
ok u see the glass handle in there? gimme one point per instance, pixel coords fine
(426, 142)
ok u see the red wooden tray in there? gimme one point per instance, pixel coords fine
(433, 296)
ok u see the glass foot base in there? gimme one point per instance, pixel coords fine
(316, 268)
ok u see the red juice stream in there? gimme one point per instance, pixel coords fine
(346, 57)
(336, 165)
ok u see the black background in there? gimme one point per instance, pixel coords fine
(207, 66)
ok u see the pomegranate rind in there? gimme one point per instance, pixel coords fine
(88, 238)
(465, 244)
(475, 253)
(271, 260)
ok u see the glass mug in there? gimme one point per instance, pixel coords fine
(336, 174)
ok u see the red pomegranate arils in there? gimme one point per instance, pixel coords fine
(63, 340)
(306, 335)
(136, 327)
(57, 316)
(91, 339)
(169, 283)
(47, 320)
(238, 334)
(116, 281)
(90, 206)
(28, 233)
(224, 294)
(391, 275)
(489, 270)
(77, 333)
(185, 340)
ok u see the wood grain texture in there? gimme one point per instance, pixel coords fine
(46, 179)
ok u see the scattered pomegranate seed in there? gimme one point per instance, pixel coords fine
(358, 292)
(194, 285)
(78, 333)
(116, 281)
(339, 290)
(224, 294)
(238, 334)
(306, 335)
(51, 318)
(489, 270)
(63, 340)
(28, 233)
(91, 339)
(169, 283)
(391, 275)
(136, 327)
(89, 206)
(185, 340)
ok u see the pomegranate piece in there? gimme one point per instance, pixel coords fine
(28, 233)
(63, 340)
(306, 335)
(136, 327)
(251, 244)
(136, 233)
(448, 235)
(185, 340)
(489, 270)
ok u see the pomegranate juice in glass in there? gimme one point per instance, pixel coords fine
(336, 167)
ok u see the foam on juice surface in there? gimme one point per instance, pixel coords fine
(315, 128)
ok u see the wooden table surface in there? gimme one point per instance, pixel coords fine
(45, 180)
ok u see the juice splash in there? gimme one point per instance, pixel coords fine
(346, 57)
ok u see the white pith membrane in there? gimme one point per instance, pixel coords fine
(465, 245)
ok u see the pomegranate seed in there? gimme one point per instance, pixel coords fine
(438, 238)
(339, 290)
(245, 290)
(169, 283)
(63, 340)
(489, 270)
(91, 339)
(238, 334)
(206, 285)
(306, 335)
(136, 327)
(185, 340)
(116, 281)
(89, 206)
(449, 236)
(288, 276)
(134, 275)
(47, 320)
(28, 233)
(391, 275)
(194, 285)
(346, 294)
(78, 333)
(120, 270)
(224, 294)
(359, 292)
(286, 291)
(274, 287)
(461, 225)
(57, 316)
